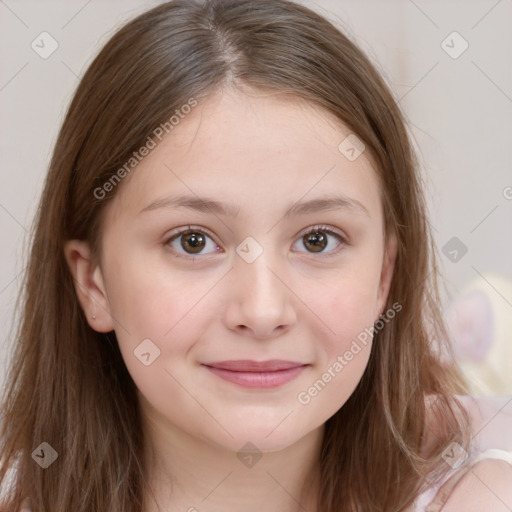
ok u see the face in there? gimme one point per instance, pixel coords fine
(290, 291)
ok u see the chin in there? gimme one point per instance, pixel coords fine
(265, 437)
(257, 442)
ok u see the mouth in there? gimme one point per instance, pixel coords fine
(257, 374)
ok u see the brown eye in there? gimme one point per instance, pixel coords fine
(317, 239)
(317, 242)
(192, 241)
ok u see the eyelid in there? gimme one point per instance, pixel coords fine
(323, 227)
(191, 227)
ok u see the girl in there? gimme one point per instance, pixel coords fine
(231, 301)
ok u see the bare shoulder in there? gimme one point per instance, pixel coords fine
(486, 486)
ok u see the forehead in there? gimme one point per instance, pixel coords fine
(256, 150)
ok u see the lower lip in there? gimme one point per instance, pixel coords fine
(260, 380)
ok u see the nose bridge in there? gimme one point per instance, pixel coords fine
(253, 267)
(259, 299)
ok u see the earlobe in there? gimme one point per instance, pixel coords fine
(388, 267)
(89, 285)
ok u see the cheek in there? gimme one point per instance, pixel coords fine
(343, 307)
(158, 323)
(333, 385)
(155, 303)
(347, 346)
(342, 352)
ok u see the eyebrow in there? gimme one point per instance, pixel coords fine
(209, 205)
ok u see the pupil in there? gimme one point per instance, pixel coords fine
(194, 241)
(317, 238)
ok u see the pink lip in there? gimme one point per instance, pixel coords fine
(257, 374)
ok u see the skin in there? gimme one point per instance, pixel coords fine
(262, 152)
(487, 486)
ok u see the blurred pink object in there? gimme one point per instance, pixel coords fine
(480, 322)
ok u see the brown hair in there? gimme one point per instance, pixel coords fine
(69, 386)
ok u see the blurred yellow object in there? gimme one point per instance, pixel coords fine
(480, 321)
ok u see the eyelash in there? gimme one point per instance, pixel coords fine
(313, 229)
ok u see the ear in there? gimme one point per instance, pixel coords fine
(386, 275)
(89, 285)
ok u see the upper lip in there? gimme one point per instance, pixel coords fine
(246, 365)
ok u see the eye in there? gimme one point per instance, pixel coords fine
(316, 239)
(194, 240)
(191, 239)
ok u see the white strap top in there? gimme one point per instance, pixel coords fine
(492, 439)
(434, 498)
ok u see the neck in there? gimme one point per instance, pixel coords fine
(195, 475)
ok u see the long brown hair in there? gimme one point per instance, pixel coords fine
(68, 385)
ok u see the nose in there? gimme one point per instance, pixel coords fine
(260, 302)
